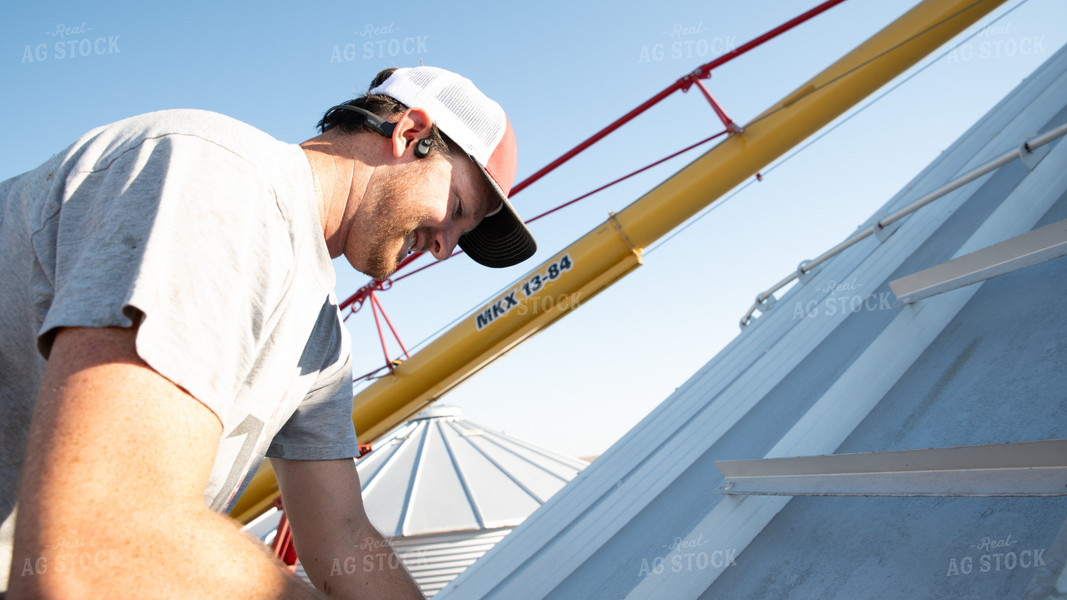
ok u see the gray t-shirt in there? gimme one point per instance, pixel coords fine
(206, 231)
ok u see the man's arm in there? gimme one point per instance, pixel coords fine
(111, 493)
(342, 553)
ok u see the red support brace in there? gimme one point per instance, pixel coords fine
(727, 121)
(375, 302)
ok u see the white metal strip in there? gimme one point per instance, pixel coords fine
(1008, 470)
(1019, 252)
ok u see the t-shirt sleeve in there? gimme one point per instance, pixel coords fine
(321, 428)
(183, 237)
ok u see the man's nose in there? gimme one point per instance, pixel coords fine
(443, 243)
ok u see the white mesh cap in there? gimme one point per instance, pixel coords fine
(478, 126)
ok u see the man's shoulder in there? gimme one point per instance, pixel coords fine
(182, 125)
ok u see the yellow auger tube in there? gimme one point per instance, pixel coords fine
(614, 248)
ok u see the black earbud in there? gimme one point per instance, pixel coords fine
(385, 128)
(422, 149)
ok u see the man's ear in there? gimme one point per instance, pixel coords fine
(414, 125)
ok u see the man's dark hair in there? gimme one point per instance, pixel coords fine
(383, 106)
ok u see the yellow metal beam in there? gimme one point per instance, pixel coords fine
(558, 286)
(614, 248)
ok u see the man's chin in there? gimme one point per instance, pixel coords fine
(379, 264)
(379, 274)
(379, 271)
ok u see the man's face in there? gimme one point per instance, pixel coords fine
(424, 205)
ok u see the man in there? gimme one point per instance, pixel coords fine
(169, 320)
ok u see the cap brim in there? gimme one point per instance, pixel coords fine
(502, 239)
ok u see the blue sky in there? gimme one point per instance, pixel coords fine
(562, 71)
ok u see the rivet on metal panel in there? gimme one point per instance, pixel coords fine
(764, 305)
(883, 233)
(803, 274)
(1032, 156)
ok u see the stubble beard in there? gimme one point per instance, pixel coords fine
(394, 220)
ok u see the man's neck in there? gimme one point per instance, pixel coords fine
(340, 173)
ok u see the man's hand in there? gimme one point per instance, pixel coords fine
(341, 551)
(111, 493)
